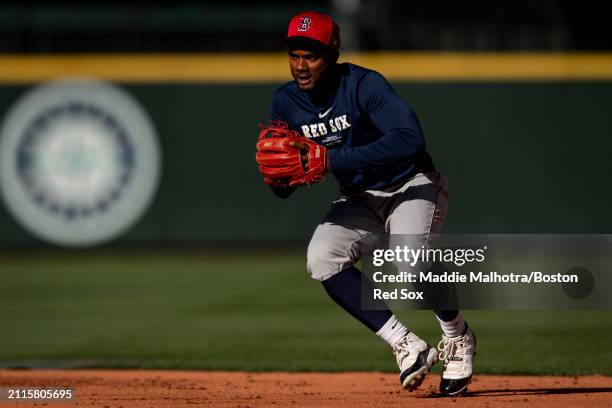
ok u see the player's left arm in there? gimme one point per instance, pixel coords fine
(402, 138)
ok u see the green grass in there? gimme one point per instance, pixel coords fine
(245, 313)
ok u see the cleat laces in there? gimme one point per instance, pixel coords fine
(401, 351)
(453, 351)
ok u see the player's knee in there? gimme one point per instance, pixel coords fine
(323, 262)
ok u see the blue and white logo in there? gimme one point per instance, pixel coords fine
(80, 162)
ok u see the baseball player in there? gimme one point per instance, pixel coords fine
(346, 120)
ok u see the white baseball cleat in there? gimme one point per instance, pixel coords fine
(458, 356)
(414, 358)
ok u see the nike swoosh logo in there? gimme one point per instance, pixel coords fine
(324, 114)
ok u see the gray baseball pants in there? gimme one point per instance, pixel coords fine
(417, 207)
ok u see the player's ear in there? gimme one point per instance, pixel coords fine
(332, 56)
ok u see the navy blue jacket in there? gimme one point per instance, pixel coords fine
(374, 138)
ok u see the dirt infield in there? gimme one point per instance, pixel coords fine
(131, 388)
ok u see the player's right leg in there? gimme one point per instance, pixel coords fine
(333, 250)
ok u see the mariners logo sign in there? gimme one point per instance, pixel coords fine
(79, 162)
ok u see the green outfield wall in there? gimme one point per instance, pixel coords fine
(520, 156)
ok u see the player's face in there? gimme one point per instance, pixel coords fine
(307, 68)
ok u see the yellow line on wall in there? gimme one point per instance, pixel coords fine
(266, 68)
(468, 67)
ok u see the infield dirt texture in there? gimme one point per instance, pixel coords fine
(104, 388)
(113, 322)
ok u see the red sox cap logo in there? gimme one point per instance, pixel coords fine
(304, 24)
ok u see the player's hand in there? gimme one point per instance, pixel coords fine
(304, 155)
(287, 159)
(303, 152)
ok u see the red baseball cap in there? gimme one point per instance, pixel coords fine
(311, 25)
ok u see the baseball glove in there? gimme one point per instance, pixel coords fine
(285, 165)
